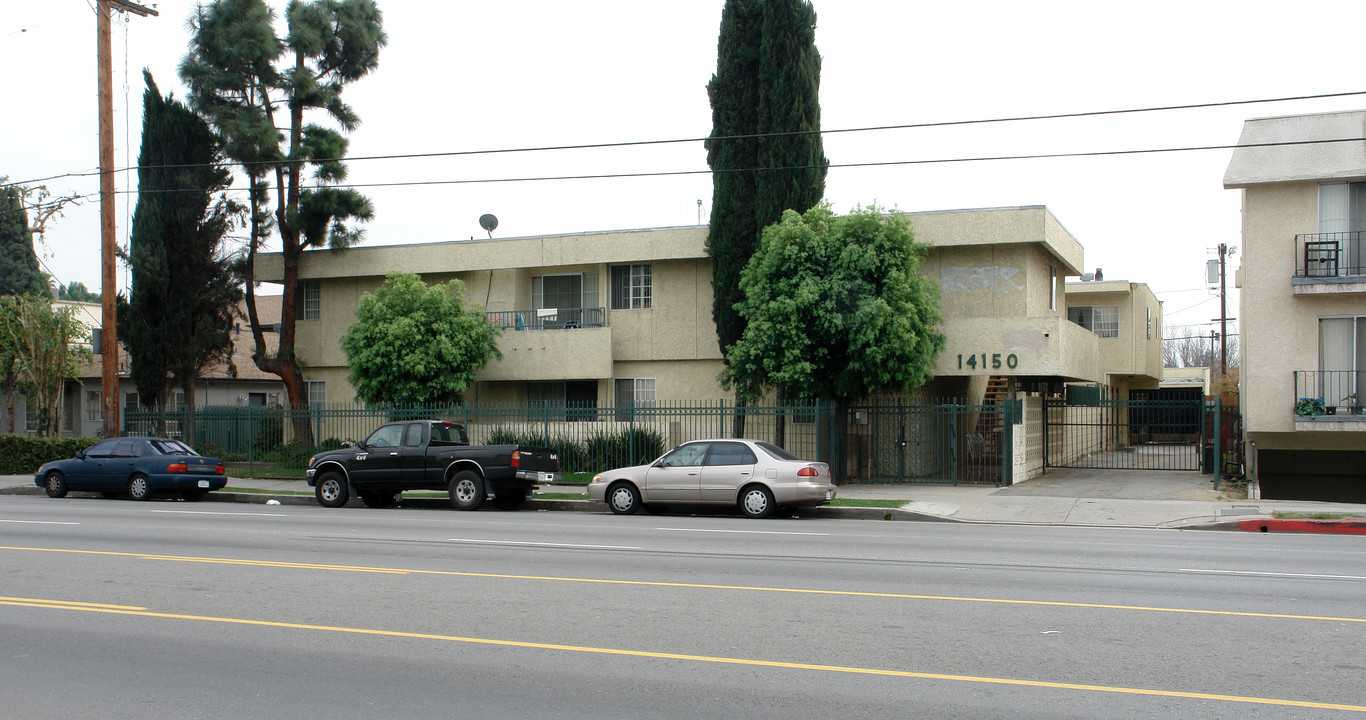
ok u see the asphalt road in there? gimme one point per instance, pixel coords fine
(179, 610)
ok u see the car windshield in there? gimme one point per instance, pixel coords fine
(777, 452)
(171, 447)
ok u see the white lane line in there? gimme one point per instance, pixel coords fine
(1274, 574)
(542, 544)
(209, 512)
(742, 532)
(38, 522)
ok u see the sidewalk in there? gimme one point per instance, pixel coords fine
(1128, 499)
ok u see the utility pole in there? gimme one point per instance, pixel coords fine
(109, 342)
(1223, 314)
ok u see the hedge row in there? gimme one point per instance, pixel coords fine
(21, 455)
(596, 453)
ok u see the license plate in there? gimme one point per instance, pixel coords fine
(545, 477)
(829, 494)
(203, 483)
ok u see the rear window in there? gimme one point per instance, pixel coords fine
(171, 447)
(777, 452)
(449, 434)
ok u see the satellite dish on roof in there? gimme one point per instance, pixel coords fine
(489, 223)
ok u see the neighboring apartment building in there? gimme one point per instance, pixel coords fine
(236, 383)
(1126, 319)
(601, 319)
(1303, 282)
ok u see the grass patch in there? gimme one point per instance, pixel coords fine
(263, 491)
(561, 496)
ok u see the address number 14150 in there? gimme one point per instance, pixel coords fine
(972, 362)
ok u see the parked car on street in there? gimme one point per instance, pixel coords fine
(140, 467)
(430, 455)
(758, 477)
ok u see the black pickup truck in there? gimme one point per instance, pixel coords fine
(430, 455)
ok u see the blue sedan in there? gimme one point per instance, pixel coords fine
(140, 467)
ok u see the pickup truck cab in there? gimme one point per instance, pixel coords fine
(429, 455)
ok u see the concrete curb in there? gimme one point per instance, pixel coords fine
(1266, 524)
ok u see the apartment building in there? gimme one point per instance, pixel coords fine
(1303, 303)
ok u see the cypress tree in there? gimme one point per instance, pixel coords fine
(19, 273)
(765, 149)
(178, 316)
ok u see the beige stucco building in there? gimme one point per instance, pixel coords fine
(604, 318)
(1303, 282)
(1126, 318)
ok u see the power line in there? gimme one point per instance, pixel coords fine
(871, 128)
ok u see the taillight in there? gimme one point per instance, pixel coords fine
(219, 469)
(516, 458)
(807, 472)
(176, 467)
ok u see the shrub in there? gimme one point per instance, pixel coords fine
(20, 455)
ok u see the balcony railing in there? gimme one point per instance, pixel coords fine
(548, 319)
(1330, 255)
(1318, 390)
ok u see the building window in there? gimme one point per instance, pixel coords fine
(1150, 323)
(94, 405)
(31, 416)
(1103, 320)
(1052, 288)
(308, 300)
(567, 295)
(1342, 353)
(632, 287)
(633, 393)
(572, 401)
(317, 392)
(71, 395)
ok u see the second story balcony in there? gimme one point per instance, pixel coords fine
(548, 319)
(1330, 263)
(1327, 396)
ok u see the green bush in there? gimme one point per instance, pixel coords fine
(601, 451)
(20, 455)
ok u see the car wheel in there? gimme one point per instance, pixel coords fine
(377, 500)
(55, 485)
(467, 490)
(139, 488)
(623, 498)
(194, 495)
(756, 501)
(509, 499)
(332, 490)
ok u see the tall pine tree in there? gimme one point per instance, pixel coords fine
(765, 149)
(19, 273)
(179, 314)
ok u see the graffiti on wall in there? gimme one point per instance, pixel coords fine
(995, 278)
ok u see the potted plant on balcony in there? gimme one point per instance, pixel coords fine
(1353, 403)
(1309, 407)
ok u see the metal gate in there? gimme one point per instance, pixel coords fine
(1137, 434)
(932, 444)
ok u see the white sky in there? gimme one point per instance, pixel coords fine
(467, 76)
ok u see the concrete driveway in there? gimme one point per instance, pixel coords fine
(1118, 484)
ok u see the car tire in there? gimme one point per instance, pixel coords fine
(332, 490)
(623, 498)
(377, 500)
(509, 499)
(139, 487)
(467, 490)
(756, 501)
(55, 485)
(194, 495)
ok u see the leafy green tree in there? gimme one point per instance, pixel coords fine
(416, 344)
(765, 149)
(19, 273)
(836, 308)
(179, 312)
(43, 339)
(77, 292)
(261, 93)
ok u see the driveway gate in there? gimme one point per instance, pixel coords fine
(943, 443)
(1155, 431)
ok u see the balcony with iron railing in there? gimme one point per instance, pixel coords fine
(1329, 396)
(1332, 262)
(548, 319)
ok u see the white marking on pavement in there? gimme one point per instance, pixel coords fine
(209, 512)
(742, 532)
(38, 522)
(542, 544)
(1274, 574)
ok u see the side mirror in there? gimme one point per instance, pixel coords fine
(80, 455)
(348, 444)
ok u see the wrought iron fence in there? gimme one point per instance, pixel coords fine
(553, 319)
(1329, 392)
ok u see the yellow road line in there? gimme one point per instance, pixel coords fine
(692, 586)
(117, 610)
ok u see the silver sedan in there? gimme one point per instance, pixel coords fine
(757, 476)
